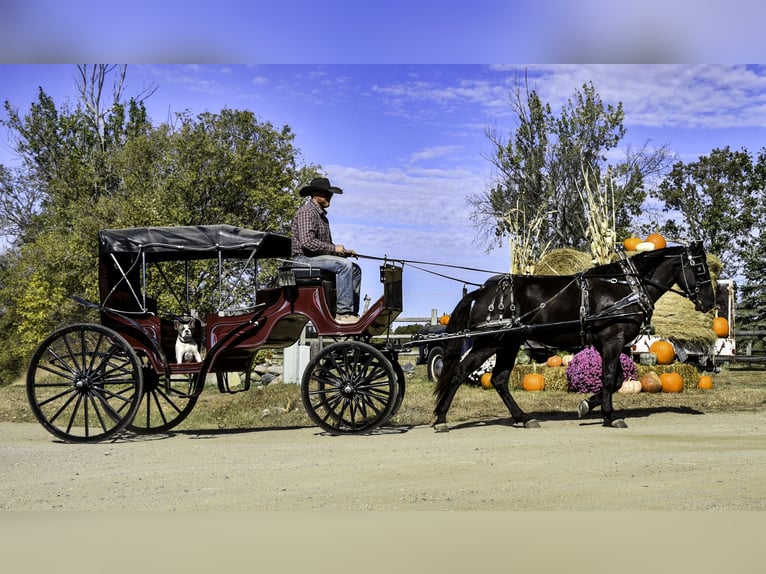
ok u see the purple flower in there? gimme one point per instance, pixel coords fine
(584, 371)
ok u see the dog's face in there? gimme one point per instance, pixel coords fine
(184, 329)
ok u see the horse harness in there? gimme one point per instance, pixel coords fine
(504, 300)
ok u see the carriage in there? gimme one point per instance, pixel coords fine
(240, 292)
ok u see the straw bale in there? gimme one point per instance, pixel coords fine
(555, 377)
(564, 261)
(689, 373)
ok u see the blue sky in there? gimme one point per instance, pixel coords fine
(407, 143)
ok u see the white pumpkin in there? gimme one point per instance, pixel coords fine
(630, 387)
(646, 246)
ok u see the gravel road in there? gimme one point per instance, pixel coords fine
(664, 461)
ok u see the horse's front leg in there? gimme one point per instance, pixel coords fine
(612, 380)
(500, 374)
(453, 375)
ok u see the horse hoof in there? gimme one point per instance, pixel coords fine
(617, 424)
(531, 424)
(441, 427)
(582, 409)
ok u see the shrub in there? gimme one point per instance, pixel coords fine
(584, 371)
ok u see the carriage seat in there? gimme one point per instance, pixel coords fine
(305, 275)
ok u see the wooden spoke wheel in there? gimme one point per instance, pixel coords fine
(349, 387)
(163, 406)
(84, 383)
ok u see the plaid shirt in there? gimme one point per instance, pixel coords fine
(311, 231)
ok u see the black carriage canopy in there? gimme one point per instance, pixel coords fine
(193, 242)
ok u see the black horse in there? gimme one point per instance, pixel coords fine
(605, 306)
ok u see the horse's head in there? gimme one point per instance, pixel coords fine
(695, 280)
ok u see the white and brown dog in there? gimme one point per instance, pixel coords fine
(186, 348)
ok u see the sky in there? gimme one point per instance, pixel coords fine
(408, 144)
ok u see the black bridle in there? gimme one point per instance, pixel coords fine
(697, 262)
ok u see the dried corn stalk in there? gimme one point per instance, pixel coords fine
(600, 218)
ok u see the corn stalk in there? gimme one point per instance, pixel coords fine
(524, 240)
(600, 217)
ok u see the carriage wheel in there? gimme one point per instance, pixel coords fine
(349, 387)
(435, 363)
(84, 383)
(162, 408)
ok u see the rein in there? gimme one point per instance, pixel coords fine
(415, 265)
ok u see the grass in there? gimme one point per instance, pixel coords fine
(737, 388)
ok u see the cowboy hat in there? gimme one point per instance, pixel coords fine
(319, 184)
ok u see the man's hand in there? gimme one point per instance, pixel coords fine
(341, 250)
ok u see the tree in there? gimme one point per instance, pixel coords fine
(751, 307)
(96, 166)
(716, 197)
(543, 169)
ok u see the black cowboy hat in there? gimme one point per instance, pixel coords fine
(319, 184)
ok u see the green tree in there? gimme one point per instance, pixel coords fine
(751, 306)
(103, 164)
(716, 197)
(546, 165)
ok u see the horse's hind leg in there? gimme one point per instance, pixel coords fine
(504, 361)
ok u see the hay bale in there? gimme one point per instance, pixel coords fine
(689, 373)
(564, 261)
(555, 377)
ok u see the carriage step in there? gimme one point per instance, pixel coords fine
(232, 382)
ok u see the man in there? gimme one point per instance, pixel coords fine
(312, 245)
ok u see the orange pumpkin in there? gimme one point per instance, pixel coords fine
(630, 243)
(721, 327)
(533, 382)
(664, 351)
(554, 361)
(444, 319)
(658, 240)
(486, 381)
(705, 382)
(650, 382)
(671, 383)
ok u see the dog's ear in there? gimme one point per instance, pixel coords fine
(177, 323)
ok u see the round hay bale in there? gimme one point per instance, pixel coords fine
(564, 261)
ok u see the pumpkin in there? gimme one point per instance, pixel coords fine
(486, 381)
(566, 359)
(646, 246)
(533, 382)
(554, 361)
(721, 327)
(658, 240)
(630, 387)
(647, 359)
(705, 382)
(444, 319)
(630, 243)
(650, 382)
(664, 351)
(671, 382)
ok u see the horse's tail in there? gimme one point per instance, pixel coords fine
(453, 348)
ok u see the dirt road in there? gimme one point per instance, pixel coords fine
(664, 461)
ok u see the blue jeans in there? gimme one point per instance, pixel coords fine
(348, 279)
